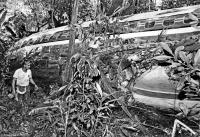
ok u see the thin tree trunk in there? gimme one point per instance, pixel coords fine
(68, 71)
(149, 5)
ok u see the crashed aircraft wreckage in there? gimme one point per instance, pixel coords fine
(153, 87)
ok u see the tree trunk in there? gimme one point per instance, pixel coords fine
(68, 71)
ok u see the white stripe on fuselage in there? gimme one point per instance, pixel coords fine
(123, 36)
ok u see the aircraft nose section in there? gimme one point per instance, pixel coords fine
(155, 79)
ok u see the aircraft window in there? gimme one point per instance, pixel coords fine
(197, 11)
(30, 42)
(24, 44)
(168, 22)
(45, 38)
(64, 35)
(56, 36)
(37, 41)
(187, 20)
(133, 24)
(42, 38)
(149, 24)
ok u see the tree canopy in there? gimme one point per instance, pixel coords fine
(31, 16)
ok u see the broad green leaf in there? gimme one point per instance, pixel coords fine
(133, 57)
(54, 135)
(194, 81)
(166, 48)
(3, 16)
(99, 90)
(91, 110)
(162, 57)
(177, 51)
(53, 92)
(197, 58)
(124, 133)
(189, 56)
(75, 127)
(181, 84)
(131, 128)
(193, 17)
(93, 44)
(183, 56)
(41, 109)
(184, 109)
(88, 125)
(194, 20)
(180, 68)
(174, 65)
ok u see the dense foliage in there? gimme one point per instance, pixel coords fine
(103, 72)
(168, 4)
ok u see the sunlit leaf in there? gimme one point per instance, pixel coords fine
(180, 84)
(75, 57)
(91, 109)
(133, 57)
(174, 65)
(166, 48)
(75, 127)
(99, 89)
(177, 51)
(180, 68)
(49, 116)
(196, 82)
(197, 58)
(58, 91)
(190, 56)
(184, 109)
(54, 135)
(162, 57)
(3, 16)
(124, 133)
(88, 125)
(194, 19)
(93, 45)
(183, 56)
(130, 128)
(41, 109)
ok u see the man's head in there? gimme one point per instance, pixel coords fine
(26, 64)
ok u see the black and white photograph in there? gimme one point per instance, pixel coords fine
(99, 68)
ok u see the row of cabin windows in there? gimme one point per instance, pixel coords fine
(168, 22)
(65, 34)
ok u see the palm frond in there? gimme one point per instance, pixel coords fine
(1, 10)
(3, 16)
(41, 109)
(10, 30)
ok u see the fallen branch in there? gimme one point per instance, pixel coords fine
(105, 81)
(177, 122)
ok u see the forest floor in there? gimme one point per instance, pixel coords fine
(16, 122)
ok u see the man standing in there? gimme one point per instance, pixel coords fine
(21, 79)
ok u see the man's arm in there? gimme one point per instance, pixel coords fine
(32, 82)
